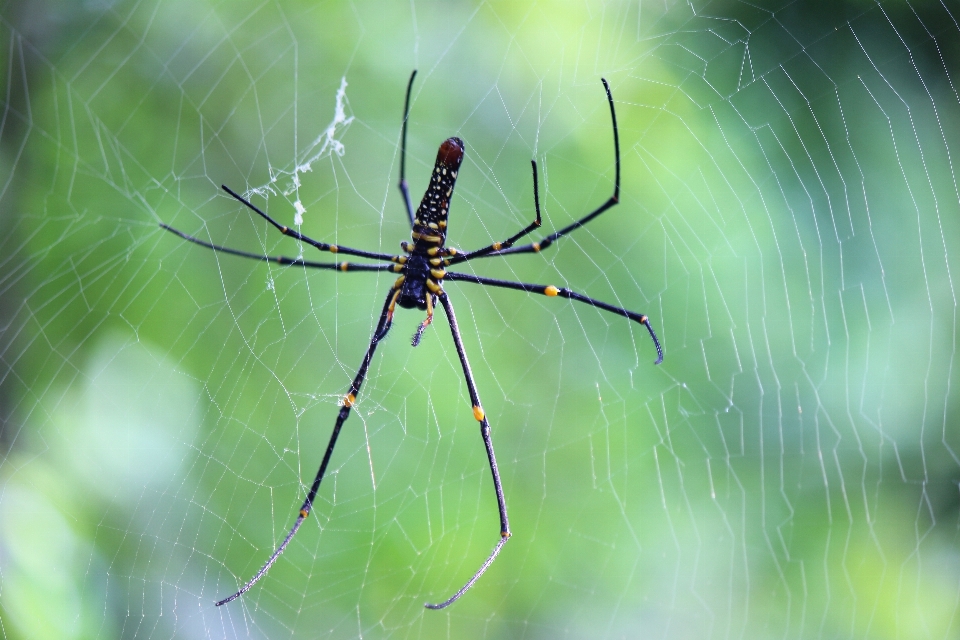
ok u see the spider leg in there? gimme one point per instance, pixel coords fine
(383, 326)
(287, 231)
(404, 189)
(283, 260)
(536, 247)
(426, 323)
(506, 244)
(487, 443)
(552, 291)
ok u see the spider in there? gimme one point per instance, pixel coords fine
(422, 272)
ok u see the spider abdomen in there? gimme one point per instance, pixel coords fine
(430, 222)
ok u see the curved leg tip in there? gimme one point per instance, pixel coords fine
(226, 600)
(504, 536)
(656, 342)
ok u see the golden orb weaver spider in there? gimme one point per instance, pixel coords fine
(420, 285)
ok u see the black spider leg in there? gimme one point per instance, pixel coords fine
(536, 247)
(487, 443)
(552, 291)
(506, 244)
(322, 246)
(282, 260)
(383, 326)
(404, 188)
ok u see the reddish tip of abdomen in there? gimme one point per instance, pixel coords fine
(451, 153)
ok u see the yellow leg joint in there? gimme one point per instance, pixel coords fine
(551, 291)
(505, 534)
(304, 513)
(349, 399)
(536, 246)
(478, 413)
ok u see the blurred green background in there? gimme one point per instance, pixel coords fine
(790, 221)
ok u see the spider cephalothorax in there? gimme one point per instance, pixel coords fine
(420, 285)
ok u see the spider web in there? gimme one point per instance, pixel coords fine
(788, 220)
